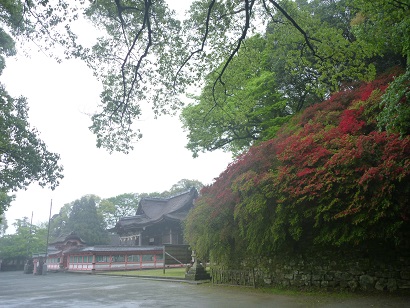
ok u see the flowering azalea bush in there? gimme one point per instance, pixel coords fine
(329, 178)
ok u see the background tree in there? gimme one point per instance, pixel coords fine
(185, 185)
(22, 244)
(112, 209)
(384, 25)
(85, 221)
(3, 224)
(179, 187)
(82, 217)
(25, 158)
(58, 223)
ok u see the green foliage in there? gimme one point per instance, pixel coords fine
(275, 76)
(384, 25)
(85, 221)
(395, 116)
(58, 223)
(24, 157)
(112, 209)
(330, 56)
(181, 186)
(7, 48)
(185, 185)
(3, 224)
(328, 178)
(146, 45)
(146, 54)
(82, 217)
(27, 239)
(233, 113)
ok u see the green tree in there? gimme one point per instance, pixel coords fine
(112, 209)
(27, 239)
(84, 220)
(146, 53)
(274, 76)
(3, 224)
(185, 185)
(58, 223)
(395, 116)
(23, 155)
(385, 26)
(179, 187)
(234, 114)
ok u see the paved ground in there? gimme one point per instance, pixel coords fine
(84, 290)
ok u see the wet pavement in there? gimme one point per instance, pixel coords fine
(85, 290)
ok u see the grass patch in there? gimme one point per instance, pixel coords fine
(169, 273)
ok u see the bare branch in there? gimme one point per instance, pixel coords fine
(120, 9)
(204, 38)
(146, 25)
(248, 11)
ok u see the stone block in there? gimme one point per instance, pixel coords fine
(381, 284)
(297, 277)
(316, 277)
(366, 282)
(324, 283)
(343, 284)
(285, 283)
(380, 274)
(346, 276)
(405, 274)
(338, 275)
(329, 276)
(352, 284)
(316, 283)
(267, 281)
(403, 284)
(392, 284)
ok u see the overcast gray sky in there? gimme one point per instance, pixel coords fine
(59, 96)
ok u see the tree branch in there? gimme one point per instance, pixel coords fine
(296, 25)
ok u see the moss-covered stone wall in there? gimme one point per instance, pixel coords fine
(381, 267)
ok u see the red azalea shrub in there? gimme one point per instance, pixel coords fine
(334, 180)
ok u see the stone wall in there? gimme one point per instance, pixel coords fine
(380, 269)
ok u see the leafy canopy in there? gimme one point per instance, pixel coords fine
(276, 75)
(146, 54)
(27, 239)
(80, 216)
(24, 156)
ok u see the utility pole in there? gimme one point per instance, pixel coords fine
(48, 236)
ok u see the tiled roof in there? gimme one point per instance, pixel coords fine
(66, 237)
(152, 210)
(117, 249)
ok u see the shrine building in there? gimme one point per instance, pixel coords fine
(152, 238)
